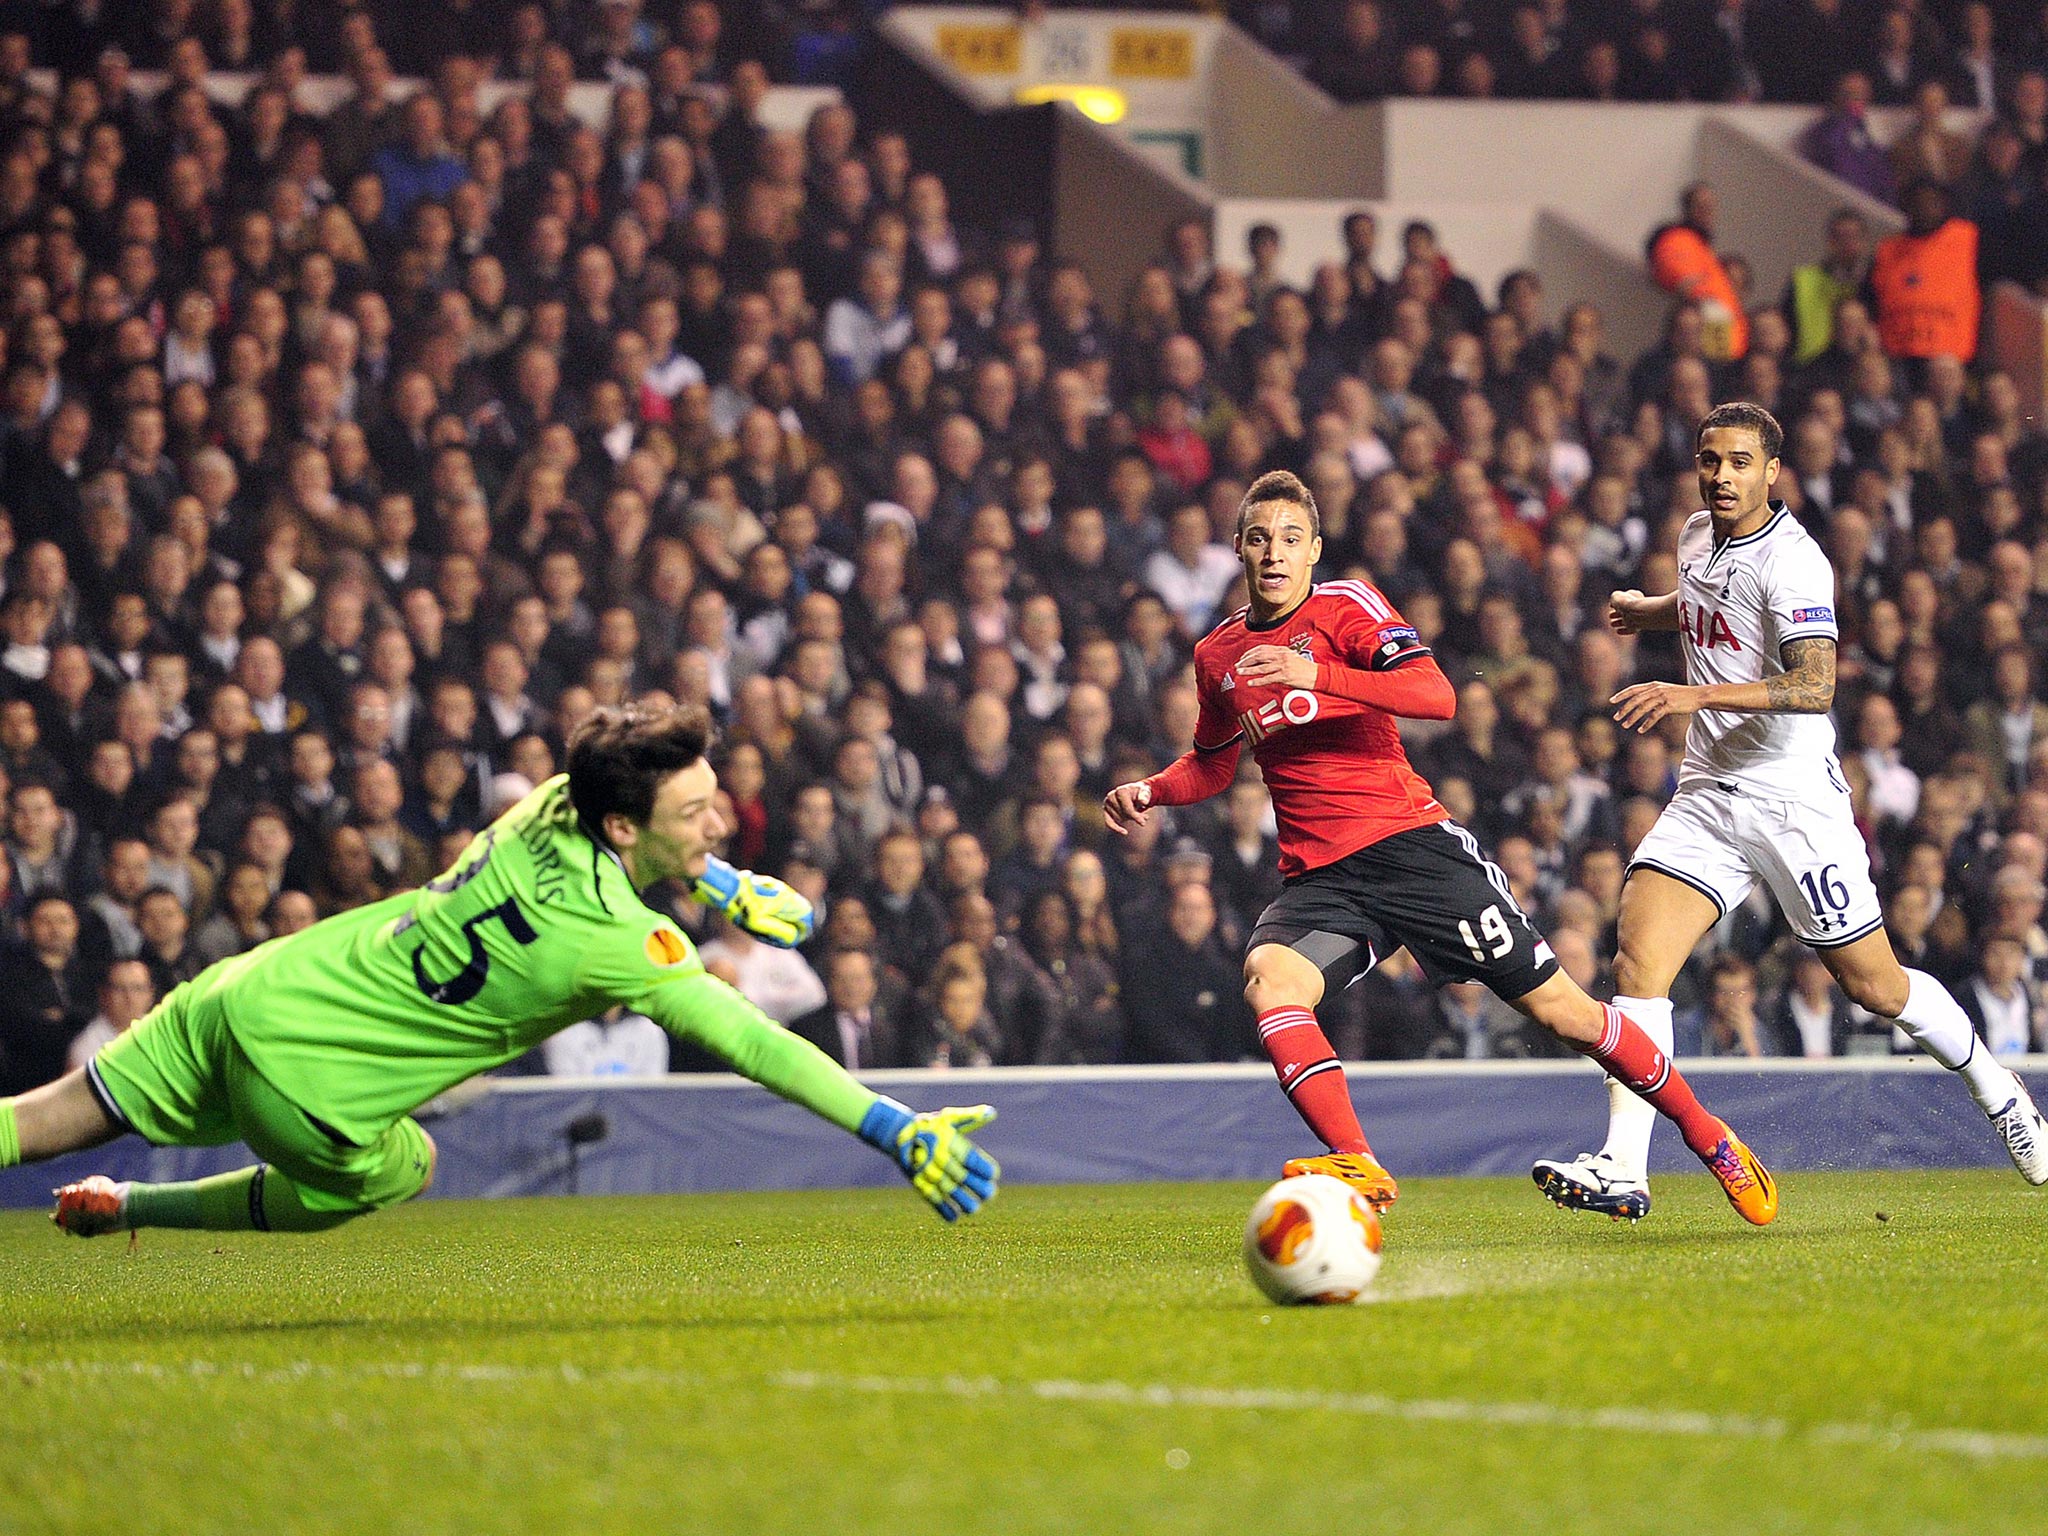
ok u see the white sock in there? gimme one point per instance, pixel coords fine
(1630, 1118)
(1939, 1026)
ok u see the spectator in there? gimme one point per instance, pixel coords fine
(166, 929)
(1925, 280)
(959, 1030)
(237, 924)
(46, 997)
(780, 981)
(125, 995)
(291, 912)
(41, 841)
(1244, 853)
(1085, 1026)
(2000, 1004)
(1361, 64)
(1816, 289)
(618, 1043)
(1086, 884)
(1472, 1023)
(1812, 1017)
(1727, 1025)
(2004, 727)
(174, 860)
(1182, 987)
(1929, 150)
(853, 1026)
(1898, 62)
(910, 925)
(419, 165)
(1805, 47)
(1191, 574)
(1019, 993)
(348, 875)
(1683, 261)
(107, 925)
(1840, 142)
(861, 330)
(400, 859)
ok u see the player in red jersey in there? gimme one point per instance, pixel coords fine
(1312, 677)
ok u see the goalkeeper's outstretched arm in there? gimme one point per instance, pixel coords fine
(933, 1150)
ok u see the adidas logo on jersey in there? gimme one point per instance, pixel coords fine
(1229, 681)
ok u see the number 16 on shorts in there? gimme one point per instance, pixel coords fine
(1825, 892)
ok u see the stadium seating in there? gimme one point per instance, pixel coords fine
(378, 400)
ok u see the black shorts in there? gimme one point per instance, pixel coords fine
(1429, 888)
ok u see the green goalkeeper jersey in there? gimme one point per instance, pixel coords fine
(362, 1018)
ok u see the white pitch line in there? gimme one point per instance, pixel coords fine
(1979, 1444)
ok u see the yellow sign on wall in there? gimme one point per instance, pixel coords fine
(980, 50)
(1152, 53)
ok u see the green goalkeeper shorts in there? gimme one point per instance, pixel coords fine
(179, 1079)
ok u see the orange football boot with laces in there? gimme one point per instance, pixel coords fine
(1744, 1180)
(1361, 1170)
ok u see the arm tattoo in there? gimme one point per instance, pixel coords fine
(1807, 685)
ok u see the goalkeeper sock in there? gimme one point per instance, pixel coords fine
(258, 1199)
(1939, 1026)
(1311, 1077)
(1629, 1119)
(10, 1135)
(1632, 1057)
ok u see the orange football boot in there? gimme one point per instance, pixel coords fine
(1361, 1170)
(1745, 1180)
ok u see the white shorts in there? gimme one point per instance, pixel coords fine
(1721, 840)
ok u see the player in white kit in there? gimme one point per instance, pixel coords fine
(1760, 797)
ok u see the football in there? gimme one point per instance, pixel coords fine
(1312, 1241)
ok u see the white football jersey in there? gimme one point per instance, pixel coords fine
(1738, 604)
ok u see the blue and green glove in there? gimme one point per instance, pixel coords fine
(935, 1153)
(773, 912)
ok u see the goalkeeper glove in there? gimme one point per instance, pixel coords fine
(935, 1154)
(771, 911)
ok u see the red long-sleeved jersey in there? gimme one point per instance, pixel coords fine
(1331, 756)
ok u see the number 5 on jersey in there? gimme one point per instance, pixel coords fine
(467, 982)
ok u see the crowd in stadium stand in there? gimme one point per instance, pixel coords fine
(348, 462)
(1656, 50)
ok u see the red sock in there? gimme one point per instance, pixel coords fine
(1311, 1077)
(1632, 1058)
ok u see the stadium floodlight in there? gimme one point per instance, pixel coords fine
(1097, 102)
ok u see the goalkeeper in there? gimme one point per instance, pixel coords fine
(316, 1048)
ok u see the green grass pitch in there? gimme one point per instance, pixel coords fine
(1074, 1360)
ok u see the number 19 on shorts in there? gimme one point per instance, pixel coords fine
(1494, 938)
